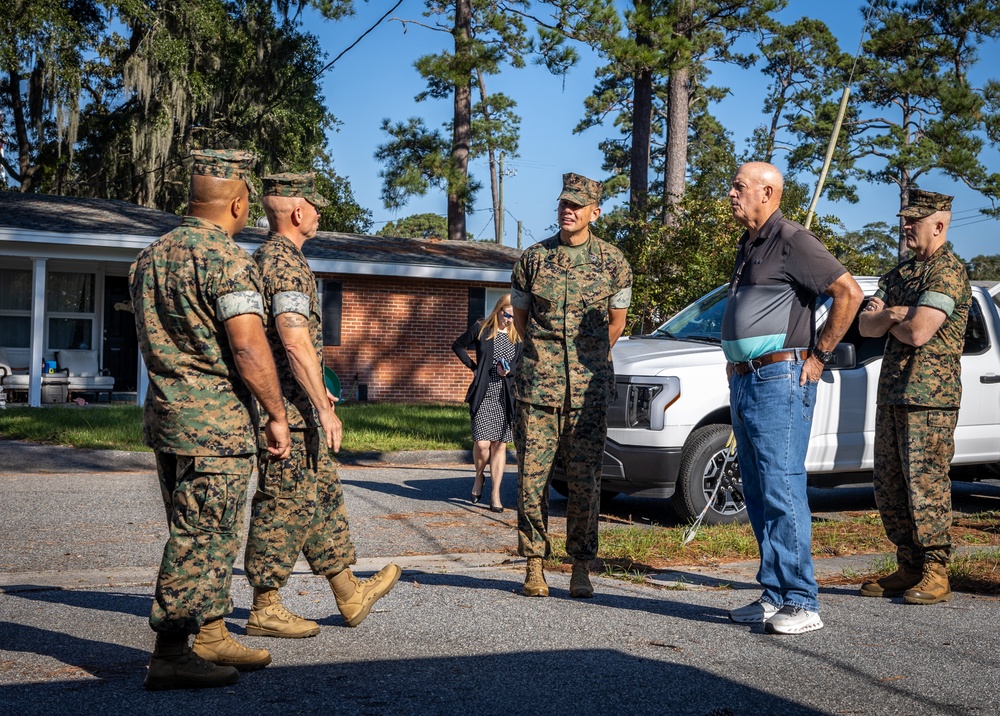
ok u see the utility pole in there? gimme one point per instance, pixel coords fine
(518, 235)
(500, 222)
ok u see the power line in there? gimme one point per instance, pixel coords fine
(970, 211)
(330, 64)
(483, 232)
(971, 223)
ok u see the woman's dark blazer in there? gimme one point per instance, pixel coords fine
(481, 378)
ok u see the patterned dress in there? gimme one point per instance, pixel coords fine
(491, 421)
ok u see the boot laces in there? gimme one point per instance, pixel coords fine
(282, 612)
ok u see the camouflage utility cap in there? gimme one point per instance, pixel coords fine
(581, 190)
(924, 203)
(225, 164)
(301, 185)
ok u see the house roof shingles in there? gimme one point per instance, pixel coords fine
(110, 217)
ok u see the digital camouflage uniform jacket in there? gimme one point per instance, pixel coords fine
(567, 354)
(930, 375)
(289, 287)
(184, 286)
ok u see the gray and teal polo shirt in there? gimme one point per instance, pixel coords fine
(773, 290)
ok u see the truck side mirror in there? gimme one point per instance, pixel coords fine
(844, 357)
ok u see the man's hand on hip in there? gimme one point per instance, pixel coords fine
(812, 369)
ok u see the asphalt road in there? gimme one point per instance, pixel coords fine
(79, 548)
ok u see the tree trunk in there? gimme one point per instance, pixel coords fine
(462, 126)
(642, 119)
(24, 166)
(905, 181)
(678, 109)
(678, 119)
(772, 133)
(903, 253)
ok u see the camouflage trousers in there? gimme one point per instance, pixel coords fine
(298, 507)
(913, 451)
(204, 498)
(574, 438)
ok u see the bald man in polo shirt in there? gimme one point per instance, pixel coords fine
(775, 361)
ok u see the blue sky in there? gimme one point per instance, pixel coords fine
(377, 80)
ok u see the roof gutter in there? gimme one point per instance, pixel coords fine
(125, 247)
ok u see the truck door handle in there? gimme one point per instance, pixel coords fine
(989, 378)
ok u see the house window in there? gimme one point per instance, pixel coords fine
(482, 300)
(492, 296)
(69, 300)
(477, 304)
(15, 308)
(333, 300)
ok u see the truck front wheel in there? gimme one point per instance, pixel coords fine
(710, 471)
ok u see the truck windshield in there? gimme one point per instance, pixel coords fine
(702, 320)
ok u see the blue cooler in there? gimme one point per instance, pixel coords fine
(49, 366)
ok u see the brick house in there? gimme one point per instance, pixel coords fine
(391, 306)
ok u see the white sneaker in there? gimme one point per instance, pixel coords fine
(793, 620)
(755, 613)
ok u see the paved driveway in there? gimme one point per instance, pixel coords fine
(78, 550)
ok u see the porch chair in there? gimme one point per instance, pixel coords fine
(12, 379)
(81, 370)
(15, 382)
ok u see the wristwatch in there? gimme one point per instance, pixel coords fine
(824, 357)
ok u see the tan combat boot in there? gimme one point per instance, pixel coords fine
(214, 643)
(579, 584)
(174, 666)
(933, 588)
(893, 585)
(534, 579)
(269, 617)
(355, 598)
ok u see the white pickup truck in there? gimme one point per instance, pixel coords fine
(668, 430)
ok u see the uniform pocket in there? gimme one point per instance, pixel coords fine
(211, 498)
(280, 478)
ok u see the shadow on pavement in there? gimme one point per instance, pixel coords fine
(109, 663)
(533, 682)
(134, 604)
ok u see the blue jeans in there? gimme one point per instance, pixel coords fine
(772, 416)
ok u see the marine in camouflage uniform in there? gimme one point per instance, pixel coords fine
(570, 294)
(919, 394)
(299, 502)
(189, 289)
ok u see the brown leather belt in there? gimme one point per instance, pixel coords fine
(767, 359)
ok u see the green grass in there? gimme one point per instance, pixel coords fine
(627, 549)
(111, 427)
(368, 427)
(387, 427)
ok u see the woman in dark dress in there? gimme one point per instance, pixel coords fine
(490, 397)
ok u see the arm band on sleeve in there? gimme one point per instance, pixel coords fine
(940, 301)
(290, 302)
(622, 299)
(238, 303)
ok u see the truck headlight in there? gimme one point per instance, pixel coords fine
(642, 401)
